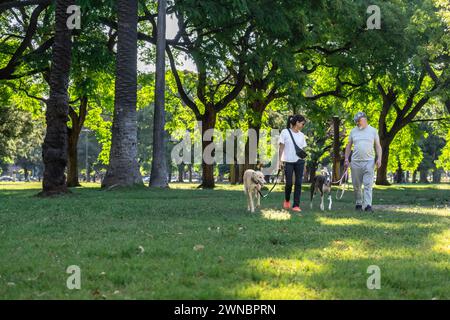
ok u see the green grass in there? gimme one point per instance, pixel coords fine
(271, 254)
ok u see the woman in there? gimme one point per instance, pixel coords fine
(290, 161)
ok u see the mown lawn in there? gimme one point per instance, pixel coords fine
(139, 244)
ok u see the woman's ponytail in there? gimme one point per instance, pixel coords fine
(289, 122)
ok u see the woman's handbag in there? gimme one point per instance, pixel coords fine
(299, 151)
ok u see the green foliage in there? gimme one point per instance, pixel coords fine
(444, 159)
(405, 150)
(432, 147)
(21, 136)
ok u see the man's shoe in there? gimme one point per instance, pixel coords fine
(297, 209)
(358, 207)
(368, 209)
(286, 204)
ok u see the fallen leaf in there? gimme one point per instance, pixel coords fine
(199, 247)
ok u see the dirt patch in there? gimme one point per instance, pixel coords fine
(391, 206)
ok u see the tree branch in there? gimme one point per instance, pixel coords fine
(9, 69)
(426, 120)
(183, 95)
(18, 4)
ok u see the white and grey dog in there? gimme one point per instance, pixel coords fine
(322, 183)
(253, 182)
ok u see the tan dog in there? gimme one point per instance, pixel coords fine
(253, 182)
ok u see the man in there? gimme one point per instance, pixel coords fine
(364, 137)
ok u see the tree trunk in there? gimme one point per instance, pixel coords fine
(208, 122)
(74, 135)
(190, 172)
(72, 168)
(241, 169)
(437, 176)
(399, 174)
(254, 124)
(382, 170)
(424, 176)
(232, 173)
(54, 149)
(336, 150)
(123, 169)
(181, 172)
(414, 176)
(159, 170)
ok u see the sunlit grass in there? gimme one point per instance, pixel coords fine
(442, 243)
(336, 221)
(271, 214)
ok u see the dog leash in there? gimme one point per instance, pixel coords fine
(276, 182)
(342, 184)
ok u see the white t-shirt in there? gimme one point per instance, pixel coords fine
(363, 140)
(289, 154)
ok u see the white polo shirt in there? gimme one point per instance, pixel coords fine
(289, 154)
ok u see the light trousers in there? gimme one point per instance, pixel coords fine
(362, 174)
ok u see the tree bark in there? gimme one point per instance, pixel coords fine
(254, 124)
(232, 173)
(159, 170)
(54, 149)
(399, 174)
(382, 170)
(190, 172)
(72, 168)
(123, 169)
(74, 135)
(208, 122)
(181, 172)
(336, 150)
(424, 176)
(437, 176)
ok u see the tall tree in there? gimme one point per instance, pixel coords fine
(123, 169)
(404, 114)
(159, 172)
(54, 149)
(77, 120)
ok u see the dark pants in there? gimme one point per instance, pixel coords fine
(289, 169)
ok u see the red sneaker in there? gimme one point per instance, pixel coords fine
(296, 209)
(286, 204)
